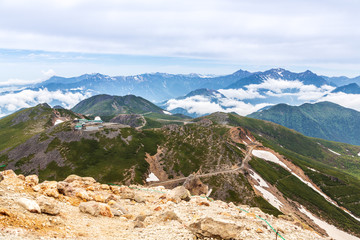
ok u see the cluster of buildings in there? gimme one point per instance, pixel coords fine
(88, 125)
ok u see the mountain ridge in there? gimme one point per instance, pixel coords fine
(322, 120)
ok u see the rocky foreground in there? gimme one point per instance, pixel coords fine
(81, 208)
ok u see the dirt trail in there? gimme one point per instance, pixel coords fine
(243, 166)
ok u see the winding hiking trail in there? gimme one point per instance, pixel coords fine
(244, 165)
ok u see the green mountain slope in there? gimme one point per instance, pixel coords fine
(322, 120)
(22, 125)
(109, 106)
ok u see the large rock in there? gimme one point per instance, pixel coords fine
(72, 178)
(48, 205)
(179, 193)
(6, 174)
(96, 209)
(126, 193)
(116, 206)
(65, 189)
(29, 205)
(169, 216)
(209, 227)
(31, 180)
(49, 188)
(82, 194)
(195, 186)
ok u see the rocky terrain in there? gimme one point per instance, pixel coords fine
(81, 208)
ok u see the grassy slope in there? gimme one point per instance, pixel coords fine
(306, 152)
(22, 125)
(322, 120)
(107, 160)
(18, 127)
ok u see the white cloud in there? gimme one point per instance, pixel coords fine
(289, 33)
(278, 87)
(241, 93)
(27, 98)
(202, 105)
(195, 104)
(343, 99)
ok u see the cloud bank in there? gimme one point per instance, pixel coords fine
(10, 102)
(254, 97)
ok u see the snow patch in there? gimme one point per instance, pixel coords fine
(266, 194)
(331, 230)
(257, 177)
(58, 121)
(312, 169)
(268, 156)
(152, 178)
(249, 138)
(166, 112)
(334, 152)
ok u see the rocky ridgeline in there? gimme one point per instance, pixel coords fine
(81, 208)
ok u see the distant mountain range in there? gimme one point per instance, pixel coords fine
(351, 88)
(195, 95)
(307, 78)
(156, 87)
(322, 120)
(340, 81)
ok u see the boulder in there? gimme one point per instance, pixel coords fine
(72, 178)
(6, 174)
(65, 189)
(96, 209)
(31, 180)
(52, 192)
(139, 198)
(195, 186)
(115, 189)
(105, 187)
(21, 177)
(117, 206)
(88, 180)
(48, 205)
(179, 193)
(208, 227)
(168, 216)
(29, 205)
(126, 193)
(49, 188)
(82, 194)
(100, 198)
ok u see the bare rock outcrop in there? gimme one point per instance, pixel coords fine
(195, 185)
(209, 227)
(81, 208)
(29, 205)
(179, 193)
(96, 209)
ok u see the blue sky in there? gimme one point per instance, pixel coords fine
(40, 38)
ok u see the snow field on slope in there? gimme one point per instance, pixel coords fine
(331, 230)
